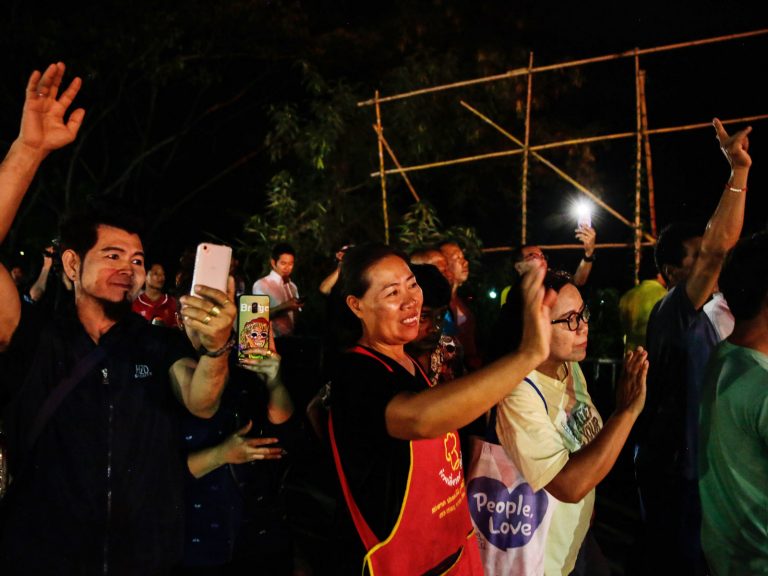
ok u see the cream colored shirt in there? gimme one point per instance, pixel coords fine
(539, 442)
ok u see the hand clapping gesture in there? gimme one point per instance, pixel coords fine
(630, 394)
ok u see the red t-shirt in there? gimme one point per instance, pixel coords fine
(162, 310)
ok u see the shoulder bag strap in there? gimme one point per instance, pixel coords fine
(490, 431)
(56, 396)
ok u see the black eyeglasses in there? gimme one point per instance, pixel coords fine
(574, 319)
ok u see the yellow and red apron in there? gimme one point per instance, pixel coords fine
(433, 533)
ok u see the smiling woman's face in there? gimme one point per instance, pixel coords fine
(389, 309)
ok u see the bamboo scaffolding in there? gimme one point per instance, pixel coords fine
(641, 135)
(569, 64)
(638, 166)
(377, 129)
(562, 143)
(526, 152)
(648, 162)
(596, 199)
(380, 132)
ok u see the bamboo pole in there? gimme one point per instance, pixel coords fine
(648, 162)
(560, 66)
(377, 129)
(596, 199)
(606, 245)
(524, 187)
(380, 132)
(455, 161)
(586, 140)
(638, 167)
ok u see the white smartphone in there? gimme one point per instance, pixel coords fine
(211, 266)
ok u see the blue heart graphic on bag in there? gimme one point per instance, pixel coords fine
(507, 518)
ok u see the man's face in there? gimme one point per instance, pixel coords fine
(112, 271)
(156, 277)
(678, 274)
(17, 274)
(457, 264)
(283, 265)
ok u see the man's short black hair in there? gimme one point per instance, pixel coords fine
(669, 246)
(434, 286)
(282, 248)
(78, 230)
(744, 278)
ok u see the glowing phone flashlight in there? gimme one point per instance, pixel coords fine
(583, 211)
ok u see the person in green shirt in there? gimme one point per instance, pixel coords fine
(733, 440)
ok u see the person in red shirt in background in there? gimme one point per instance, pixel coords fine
(153, 304)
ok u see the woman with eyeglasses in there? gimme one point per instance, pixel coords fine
(552, 432)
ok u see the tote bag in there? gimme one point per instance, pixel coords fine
(511, 519)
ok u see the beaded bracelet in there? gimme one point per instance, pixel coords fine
(732, 189)
(221, 351)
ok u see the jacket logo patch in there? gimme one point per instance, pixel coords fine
(142, 371)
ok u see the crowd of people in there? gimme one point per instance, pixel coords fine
(144, 436)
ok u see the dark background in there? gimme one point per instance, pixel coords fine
(196, 110)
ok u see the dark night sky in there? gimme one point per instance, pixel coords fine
(684, 86)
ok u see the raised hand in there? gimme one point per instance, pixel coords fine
(43, 127)
(630, 393)
(209, 316)
(537, 304)
(736, 147)
(587, 236)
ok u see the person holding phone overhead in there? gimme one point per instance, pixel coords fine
(394, 436)
(93, 431)
(283, 294)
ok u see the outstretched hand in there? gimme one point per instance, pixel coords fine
(736, 147)
(239, 449)
(43, 127)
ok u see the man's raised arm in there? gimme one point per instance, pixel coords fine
(724, 228)
(43, 129)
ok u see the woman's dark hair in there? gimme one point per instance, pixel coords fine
(354, 281)
(507, 332)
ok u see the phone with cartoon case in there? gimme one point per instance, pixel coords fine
(253, 324)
